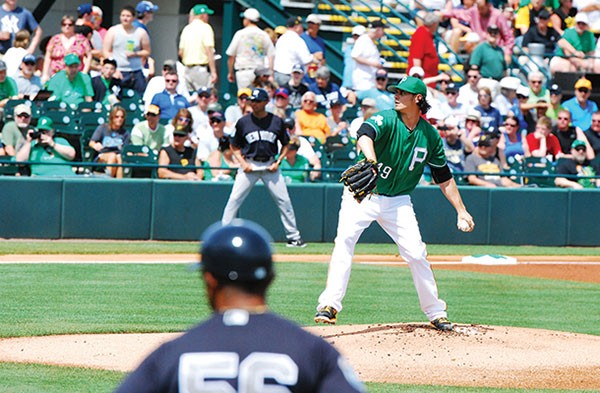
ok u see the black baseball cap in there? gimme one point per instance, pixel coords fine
(259, 95)
(293, 21)
(555, 89)
(376, 23)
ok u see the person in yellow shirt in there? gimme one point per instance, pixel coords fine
(309, 122)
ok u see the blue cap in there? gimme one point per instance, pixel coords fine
(28, 58)
(204, 90)
(297, 68)
(145, 6)
(84, 9)
(259, 95)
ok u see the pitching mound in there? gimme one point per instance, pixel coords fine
(473, 355)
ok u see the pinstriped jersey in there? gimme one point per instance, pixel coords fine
(402, 154)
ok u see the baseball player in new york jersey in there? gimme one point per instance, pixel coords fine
(242, 347)
(254, 144)
(401, 142)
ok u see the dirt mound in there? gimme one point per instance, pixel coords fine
(473, 355)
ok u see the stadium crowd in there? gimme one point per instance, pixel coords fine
(495, 119)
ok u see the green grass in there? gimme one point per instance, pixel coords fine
(162, 247)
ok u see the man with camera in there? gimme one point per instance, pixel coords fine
(46, 152)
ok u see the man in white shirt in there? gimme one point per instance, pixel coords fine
(250, 48)
(468, 93)
(201, 123)
(367, 56)
(290, 50)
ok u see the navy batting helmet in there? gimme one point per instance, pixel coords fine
(238, 252)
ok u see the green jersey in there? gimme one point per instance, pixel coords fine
(401, 154)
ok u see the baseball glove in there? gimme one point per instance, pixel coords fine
(361, 178)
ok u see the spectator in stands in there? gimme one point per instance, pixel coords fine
(199, 113)
(541, 142)
(97, 21)
(335, 120)
(555, 102)
(182, 120)
(521, 109)
(526, 15)
(473, 124)
(508, 95)
(490, 116)
(108, 141)
(483, 160)
(452, 107)
(63, 44)
(349, 63)
(128, 45)
(567, 134)
(235, 111)
(577, 165)
(282, 103)
(325, 90)
(537, 88)
(315, 44)
(169, 100)
(145, 11)
(150, 132)
(580, 106)
(249, 49)
(591, 9)
(85, 25)
(422, 51)
(309, 122)
(14, 55)
(157, 84)
(575, 54)
(14, 18)
(221, 164)
(512, 139)
(385, 99)
(367, 57)
(295, 87)
(540, 33)
(593, 134)
(563, 17)
(368, 107)
(28, 84)
(107, 88)
(262, 77)
(468, 93)
(14, 132)
(482, 15)
(70, 85)
(294, 167)
(290, 50)
(208, 142)
(43, 147)
(177, 161)
(489, 57)
(457, 144)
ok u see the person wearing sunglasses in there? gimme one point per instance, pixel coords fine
(150, 132)
(576, 48)
(580, 106)
(177, 161)
(567, 134)
(14, 131)
(577, 167)
(169, 100)
(28, 84)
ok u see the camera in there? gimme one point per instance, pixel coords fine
(35, 134)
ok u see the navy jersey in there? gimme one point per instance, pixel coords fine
(257, 138)
(238, 351)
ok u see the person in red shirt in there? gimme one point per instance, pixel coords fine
(542, 142)
(422, 52)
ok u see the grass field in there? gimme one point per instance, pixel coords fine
(84, 298)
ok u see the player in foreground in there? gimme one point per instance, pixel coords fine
(396, 145)
(243, 347)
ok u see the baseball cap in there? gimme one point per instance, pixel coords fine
(153, 109)
(358, 30)
(71, 59)
(251, 14)
(145, 6)
(493, 29)
(451, 87)
(376, 23)
(282, 92)
(244, 91)
(578, 143)
(336, 102)
(298, 68)
(204, 91)
(262, 71)
(510, 82)
(323, 72)
(293, 21)
(181, 130)
(583, 83)
(484, 140)
(381, 73)
(416, 70)
(109, 61)
(22, 108)
(473, 114)
(555, 89)
(280, 30)
(523, 91)
(170, 64)
(410, 84)
(313, 18)
(2, 65)
(368, 101)
(218, 115)
(259, 95)
(492, 132)
(543, 14)
(214, 107)
(28, 59)
(45, 123)
(200, 9)
(582, 17)
(97, 11)
(84, 9)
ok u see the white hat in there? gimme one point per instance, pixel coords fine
(435, 113)
(471, 37)
(368, 101)
(251, 14)
(523, 90)
(510, 82)
(474, 114)
(582, 17)
(359, 30)
(451, 121)
(416, 70)
(313, 18)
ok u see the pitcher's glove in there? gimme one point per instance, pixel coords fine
(361, 178)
